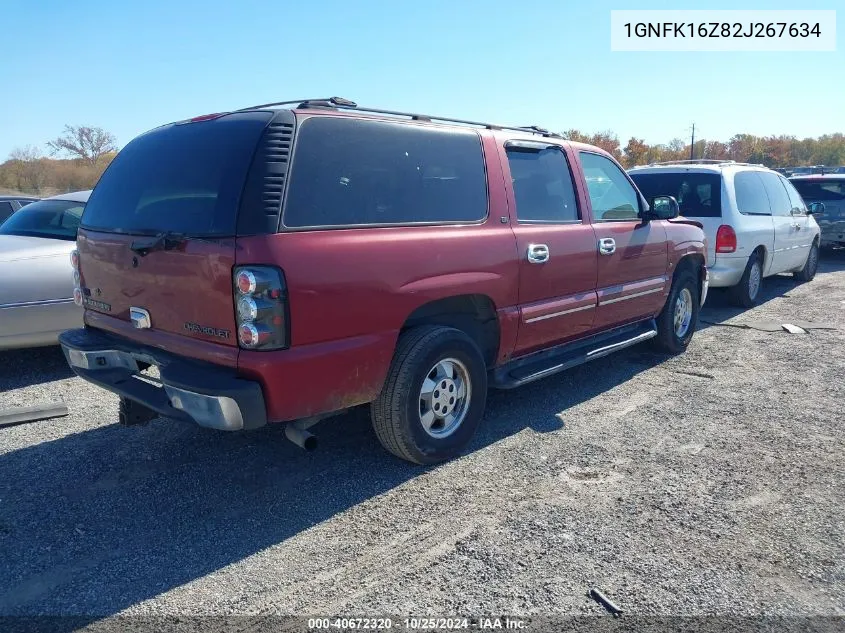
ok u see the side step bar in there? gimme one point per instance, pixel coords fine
(548, 362)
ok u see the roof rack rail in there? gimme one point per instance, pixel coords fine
(692, 161)
(701, 161)
(346, 104)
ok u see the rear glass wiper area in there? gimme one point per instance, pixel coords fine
(165, 241)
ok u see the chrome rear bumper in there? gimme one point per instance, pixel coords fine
(208, 395)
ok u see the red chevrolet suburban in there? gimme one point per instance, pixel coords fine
(284, 262)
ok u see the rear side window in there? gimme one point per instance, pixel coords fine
(542, 185)
(185, 178)
(751, 198)
(778, 198)
(699, 195)
(349, 172)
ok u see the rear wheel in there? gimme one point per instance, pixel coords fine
(810, 266)
(677, 321)
(745, 293)
(434, 395)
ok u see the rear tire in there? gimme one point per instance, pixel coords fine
(810, 266)
(434, 395)
(746, 292)
(677, 321)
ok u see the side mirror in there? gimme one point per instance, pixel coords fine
(815, 207)
(662, 208)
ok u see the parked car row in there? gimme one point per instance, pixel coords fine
(335, 256)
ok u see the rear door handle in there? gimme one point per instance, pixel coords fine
(607, 246)
(538, 253)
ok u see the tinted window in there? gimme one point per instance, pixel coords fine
(778, 198)
(796, 204)
(612, 196)
(542, 185)
(6, 210)
(23, 203)
(186, 178)
(751, 196)
(58, 219)
(352, 172)
(699, 195)
(821, 190)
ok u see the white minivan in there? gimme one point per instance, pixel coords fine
(756, 223)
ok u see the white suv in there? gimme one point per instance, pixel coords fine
(756, 223)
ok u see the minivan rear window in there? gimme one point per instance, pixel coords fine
(699, 195)
(351, 172)
(186, 178)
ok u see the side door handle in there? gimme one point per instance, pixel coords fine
(607, 246)
(538, 253)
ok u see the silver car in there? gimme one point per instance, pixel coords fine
(36, 294)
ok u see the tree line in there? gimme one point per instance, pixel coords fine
(81, 153)
(771, 151)
(77, 159)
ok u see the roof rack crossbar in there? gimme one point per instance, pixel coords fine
(345, 104)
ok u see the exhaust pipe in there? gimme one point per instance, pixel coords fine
(301, 437)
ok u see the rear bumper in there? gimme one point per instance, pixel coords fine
(705, 285)
(727, 271)
(210, 395)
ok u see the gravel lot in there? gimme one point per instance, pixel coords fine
(709, 483)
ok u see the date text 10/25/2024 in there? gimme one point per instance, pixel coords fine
(422, 623)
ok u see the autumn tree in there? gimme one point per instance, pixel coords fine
(635, 152)
(85, 143)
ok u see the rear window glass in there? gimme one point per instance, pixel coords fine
(349, 172)
(751, 197)
(820, 190)
(54, 219)
(185, 178)
(699, 195)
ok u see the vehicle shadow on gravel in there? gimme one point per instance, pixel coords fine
(95, 522)
(25, 367)
(718, 308)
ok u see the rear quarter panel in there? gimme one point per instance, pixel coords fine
(350, 291)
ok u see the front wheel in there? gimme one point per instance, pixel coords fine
(810, 266)
(434, 396)
(677, 321)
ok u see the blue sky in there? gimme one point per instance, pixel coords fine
(546, 62)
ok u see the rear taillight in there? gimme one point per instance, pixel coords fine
(725, 239)
(261, 307)
(77, 279)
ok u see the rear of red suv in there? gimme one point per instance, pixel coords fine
(160, 276)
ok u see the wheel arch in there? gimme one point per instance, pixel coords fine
(473, 314)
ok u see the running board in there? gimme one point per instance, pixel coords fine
(548, 362)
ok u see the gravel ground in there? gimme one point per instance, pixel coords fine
(709, 483)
